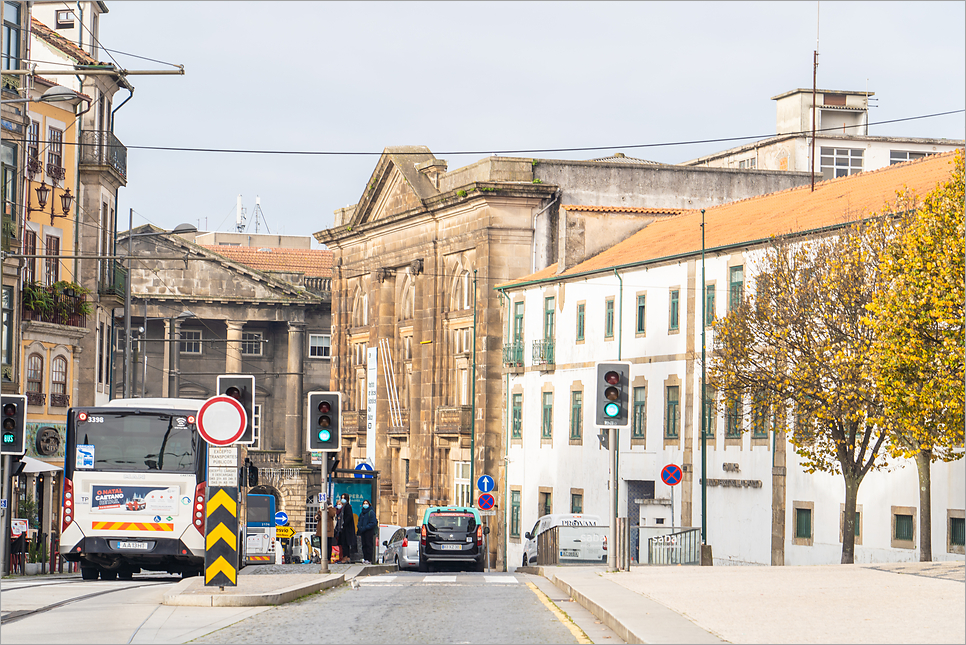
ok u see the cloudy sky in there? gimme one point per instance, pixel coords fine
(466, 79)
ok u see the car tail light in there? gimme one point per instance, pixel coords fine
(479, 535)
(405, 543)
(198, 506)
(422, 535)
(68, 505)
(605, 543)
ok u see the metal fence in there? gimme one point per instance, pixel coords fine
(636, 545)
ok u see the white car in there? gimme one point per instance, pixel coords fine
(581, 541)
(386, 531)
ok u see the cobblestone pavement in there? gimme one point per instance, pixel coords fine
(276, 569)
(408, 608)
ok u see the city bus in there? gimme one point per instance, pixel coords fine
(260, 529)
(134, 488)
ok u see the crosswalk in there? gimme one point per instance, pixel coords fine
(438, 580)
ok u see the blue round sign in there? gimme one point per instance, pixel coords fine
(671, 475)
(281, 518)
(485, 483)
(485, 501)
(363, 467)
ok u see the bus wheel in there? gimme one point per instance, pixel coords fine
(125, 574)
(108, 575)
(89, 573)
(190, 573)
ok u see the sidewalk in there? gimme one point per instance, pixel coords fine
(865, 603)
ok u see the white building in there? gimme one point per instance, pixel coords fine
(843, 145)
(636, 301)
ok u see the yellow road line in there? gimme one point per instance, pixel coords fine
(562, 617)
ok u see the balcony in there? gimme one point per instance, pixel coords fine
(112, 278)
(543, 352)
(513, 354)
(454, 420)
(61, 304)
(60, 400)
(36, 398)
(102, 148)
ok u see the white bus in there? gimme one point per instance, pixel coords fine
(134, 488)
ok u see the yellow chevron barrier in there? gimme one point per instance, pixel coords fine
(132, 526)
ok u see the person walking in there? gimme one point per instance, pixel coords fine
(327, 540)
(367, 529)
(347, 538)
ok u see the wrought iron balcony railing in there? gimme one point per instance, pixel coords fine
(513, 353)
(102, 148)
(60, 400)
(44, 304)
(454, 420)
(36, 398)
(543, 352)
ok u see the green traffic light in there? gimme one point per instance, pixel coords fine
(324, 435)
(9, 437)
(612, 410)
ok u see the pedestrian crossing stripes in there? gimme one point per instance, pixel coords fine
(394, 581)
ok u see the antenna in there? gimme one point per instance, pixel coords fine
(257, 212)
(239, 216)
(814, 81)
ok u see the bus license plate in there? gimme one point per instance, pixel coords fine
(452, 547)
(141, 546)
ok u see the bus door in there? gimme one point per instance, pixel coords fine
(260, 529)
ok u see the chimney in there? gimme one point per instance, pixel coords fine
(432, 169)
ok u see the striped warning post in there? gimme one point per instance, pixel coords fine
(221, 530)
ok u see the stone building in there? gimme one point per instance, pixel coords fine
(199, 311)
(415, 313)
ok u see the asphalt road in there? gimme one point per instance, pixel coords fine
(446, 607)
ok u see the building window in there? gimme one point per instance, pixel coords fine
(65, 19)
(709, 304)
(548, 318)
(190, 341)
(256, 428)
(58, 375)
(52, 265)
(517, 412)
(546, 425)
(576, 415)
(641, 301)
(674, 312)
(102, 354)
(33, 141)
(905, 528)
(6, 354)
(749, 164)
(900, 156)
(11, 35)
(803, 523)
(733, 418)
(35, 374)
(462, 488)
(671, 412)
(55, 149)
(514, 513)
(759, 415)
(736, 286)
(609, 318)
(518, 323)
(640, 414)
(581, 309)
(576, 503)
(841, 162)
(251, 343)
(8, 192)
(30, 248)
(709, 416)
(320, 346)
(546, 504)
(957, 531)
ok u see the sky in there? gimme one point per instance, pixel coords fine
(468, 79)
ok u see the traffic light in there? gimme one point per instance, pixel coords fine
(613, 383)
(14, 415)
(322, 422)
(242, 388)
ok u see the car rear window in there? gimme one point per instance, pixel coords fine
(412, 534)
(452, 521)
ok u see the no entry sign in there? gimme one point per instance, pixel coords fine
(671, 475)
(222, 420)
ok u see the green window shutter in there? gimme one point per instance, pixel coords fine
(803, 523)
(957, 531)
(640, 413)
(580, 321)
(517, 428)
(576, 415)
(641, 311)
(609, 318)
(708, 305)
(576, 503)
(674, 312)
(904, 527)
(514, 513)
(672, 412)
(736, 287)
(547, 425)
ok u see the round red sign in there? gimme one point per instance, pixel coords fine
(222, 420)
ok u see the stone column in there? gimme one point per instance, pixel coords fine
(233, 361)
(174, 332)
(294, 433)
(385, 329)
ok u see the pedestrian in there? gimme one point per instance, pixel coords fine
(367, 529)
(327, 541)
(347, 539)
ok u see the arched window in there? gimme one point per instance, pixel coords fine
(462, 292)
(58, 375)
(35, 373)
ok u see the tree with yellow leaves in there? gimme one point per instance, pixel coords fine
(917, 354)
(799, 342)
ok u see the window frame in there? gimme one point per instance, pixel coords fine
(609, 317)
(576, 502)
(639, 412)
(546, 418)
(325, 346)
(190, 345)
(576, 415)
(674, 310)
(34, 374)
(55, 147)
(515, 505)
(581, 320)
(548, 317)
(672, 412)
(58, 386)
(10, 57)
(516, 415)
(709, 303)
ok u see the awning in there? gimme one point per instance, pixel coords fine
(32, 466)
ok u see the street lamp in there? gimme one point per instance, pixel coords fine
(180, 228)
(54, 94)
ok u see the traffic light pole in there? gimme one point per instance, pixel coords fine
(324, 516)
(612, 501)
(5, 521)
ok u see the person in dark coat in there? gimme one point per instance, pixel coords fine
(367, 529)
(347, 538)
(327, 540)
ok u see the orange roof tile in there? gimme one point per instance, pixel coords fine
(61, 43)
(314, 263)
(623, 209)
(833, 202)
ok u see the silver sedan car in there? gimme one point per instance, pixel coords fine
(402, 549)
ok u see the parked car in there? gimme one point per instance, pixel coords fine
(402, 549)
(589, 545)
(386, 531)
(452, 534)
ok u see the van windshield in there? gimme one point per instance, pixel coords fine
(452, 521)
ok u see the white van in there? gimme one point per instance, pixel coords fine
(587, 545)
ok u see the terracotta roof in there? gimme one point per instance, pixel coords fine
(797, 209)
(624, 209)
(46, 33)
(314, 263)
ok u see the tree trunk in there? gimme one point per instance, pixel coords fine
(923, 463)
(848, 522)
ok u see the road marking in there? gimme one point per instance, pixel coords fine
(439, 579)
(502, 579)
(380, 579)
(562, 617)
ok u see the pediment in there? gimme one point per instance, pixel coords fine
(396, 186)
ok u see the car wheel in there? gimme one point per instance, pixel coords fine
(481, 565)
(89, 573)
(423, 566)
(395, 561)
(127, 574)
(108, 575)
(524, 559)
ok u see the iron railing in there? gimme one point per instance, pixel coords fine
(36, 398)
(543, 352)
(678, 547)
(113, 276)
(59, 309)
(513, 353)
(102, 148)
(60, 400)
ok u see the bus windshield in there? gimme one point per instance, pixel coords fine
(261, 510)
(129, 441)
